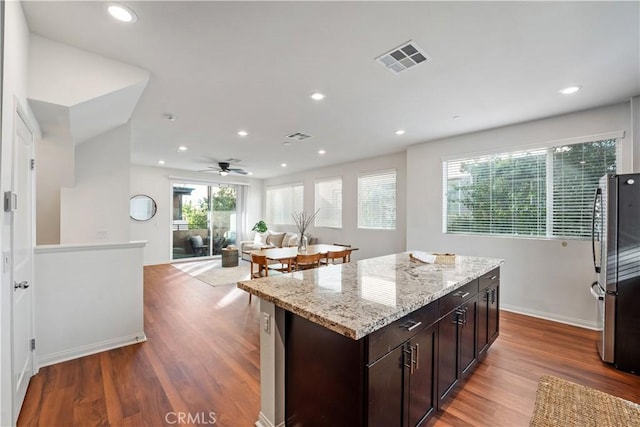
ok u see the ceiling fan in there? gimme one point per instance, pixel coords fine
(224, 169)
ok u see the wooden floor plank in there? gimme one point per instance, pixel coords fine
(202, 356)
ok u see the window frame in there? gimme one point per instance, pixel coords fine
(288, 218)
(395, 196)
(618, 136)
(317, 207)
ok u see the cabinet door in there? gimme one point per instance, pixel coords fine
(421, 390)
(484, 299)
(493, 313)
(447, 354)
(386, 390)
(467, 332)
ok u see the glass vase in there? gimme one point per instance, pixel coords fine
(302, 243)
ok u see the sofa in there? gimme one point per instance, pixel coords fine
(271, 239)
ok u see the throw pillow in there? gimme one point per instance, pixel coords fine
(275, 239)
(286, 241)
(293, 240)
(260, 239)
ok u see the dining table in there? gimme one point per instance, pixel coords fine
(287, 256)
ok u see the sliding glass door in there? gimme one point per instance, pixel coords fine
(205, 219)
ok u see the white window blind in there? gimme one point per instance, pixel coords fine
(544, 192)
(282, 201)
(377, 200)
(328, 203)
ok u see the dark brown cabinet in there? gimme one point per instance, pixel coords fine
(396, 376)
(457, 346)
(488, 311)
(401, 385)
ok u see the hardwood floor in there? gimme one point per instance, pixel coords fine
(202, 356)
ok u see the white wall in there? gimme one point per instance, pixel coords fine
(54, 170)
(16, 40)
(371, 243)
(96, 209)
(539, 277)
(156, 182)
(83, 305)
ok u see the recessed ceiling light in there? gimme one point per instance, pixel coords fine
(455, 117)
(243, 133)
(284, 165)
(321, 152)
(570, 90)
(400, 132)
(161, 162)
(170, 117)
(287, 143)
(317, 96)
(182, 148)
(121, 13)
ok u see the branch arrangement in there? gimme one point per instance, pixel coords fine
(303, 220)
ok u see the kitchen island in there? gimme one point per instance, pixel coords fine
(378, 342)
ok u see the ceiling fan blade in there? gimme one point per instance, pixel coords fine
(239, 171)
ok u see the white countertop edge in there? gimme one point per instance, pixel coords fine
(79, 247)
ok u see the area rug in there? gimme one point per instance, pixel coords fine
(563, 403)
(212, 273)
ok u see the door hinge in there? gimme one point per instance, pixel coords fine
(33, 344)
(33, 164)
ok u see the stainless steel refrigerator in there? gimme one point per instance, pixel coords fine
(616, 258)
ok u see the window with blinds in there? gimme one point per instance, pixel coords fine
(282, 201)
(328, 203)
(546, 192)
(377, 200)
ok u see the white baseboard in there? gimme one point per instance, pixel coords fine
(263, 421)
(581, 323)
(86, 350)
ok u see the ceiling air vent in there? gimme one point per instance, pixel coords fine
(403, 57)
(299, 136)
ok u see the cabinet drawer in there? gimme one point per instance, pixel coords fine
(386, 339)
(457, 297)
(490, 278)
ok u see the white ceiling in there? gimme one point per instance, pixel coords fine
(220, 67)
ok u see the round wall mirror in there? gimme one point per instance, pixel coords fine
(142, 208)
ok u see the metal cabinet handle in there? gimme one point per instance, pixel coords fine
(460, 294)
(22, 285)
(490, 278)
(466, 294)
(412, 361)
(493, 295)
(417, 356)
(411, 325)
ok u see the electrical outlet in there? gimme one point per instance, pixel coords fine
(266, 322)
(101, 234)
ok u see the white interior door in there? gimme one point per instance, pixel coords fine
(22, 265)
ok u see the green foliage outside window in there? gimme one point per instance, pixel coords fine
(196, 213)
(507, 193)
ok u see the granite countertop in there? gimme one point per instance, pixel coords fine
(358, 298)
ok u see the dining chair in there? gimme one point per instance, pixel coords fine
(306, 262)
(346, 246)
(332, 256)
(263, 268)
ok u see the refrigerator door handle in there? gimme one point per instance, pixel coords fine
(595, 293)
(593, 229)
